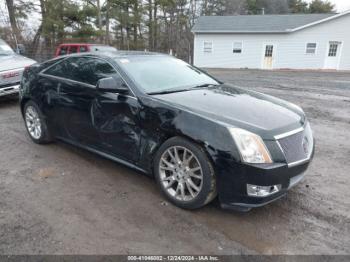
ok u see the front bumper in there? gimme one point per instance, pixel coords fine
(233, 180)
(9, 89)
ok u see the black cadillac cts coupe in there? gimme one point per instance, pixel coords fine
(199, 137)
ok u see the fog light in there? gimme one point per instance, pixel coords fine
(262, 191)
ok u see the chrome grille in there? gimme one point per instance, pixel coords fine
(297, 147)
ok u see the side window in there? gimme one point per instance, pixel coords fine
(73, 49)
(89, 70)
(86, 70)
(82, 49)
(63, 50)
(61, 69)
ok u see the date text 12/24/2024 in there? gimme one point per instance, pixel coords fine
(173, 258)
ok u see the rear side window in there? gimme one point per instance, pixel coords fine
(86, 70)
(61, 69)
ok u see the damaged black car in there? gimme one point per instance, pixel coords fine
(199, 138)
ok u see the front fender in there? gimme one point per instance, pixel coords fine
(161, 121)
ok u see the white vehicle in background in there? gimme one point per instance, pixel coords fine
(11, 68)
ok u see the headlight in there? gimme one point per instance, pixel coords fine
(251, 146)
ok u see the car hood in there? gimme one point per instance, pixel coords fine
(14, 61)
(235, 107)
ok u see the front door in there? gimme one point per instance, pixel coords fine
(333, 55)
(116, 118)
(268, 56)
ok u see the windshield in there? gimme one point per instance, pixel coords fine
(5, 49)
(162, 73)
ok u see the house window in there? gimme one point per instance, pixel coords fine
(268, 50)
(311, 48)
(237, 47)
(208, 47)
(333, 49)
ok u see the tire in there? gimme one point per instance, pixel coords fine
(174, 178)
(36, 124)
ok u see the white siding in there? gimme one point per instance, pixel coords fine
(290, 49)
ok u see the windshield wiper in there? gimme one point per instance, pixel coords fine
(204, 85)
(168, 91)
(175, 90)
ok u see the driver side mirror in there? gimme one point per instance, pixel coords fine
(112, 85)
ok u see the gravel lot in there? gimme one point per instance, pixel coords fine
(57, 199)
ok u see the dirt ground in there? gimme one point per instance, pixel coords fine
(57, 199)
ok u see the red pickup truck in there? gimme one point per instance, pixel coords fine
(65, 49)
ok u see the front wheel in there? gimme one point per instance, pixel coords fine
(36, 124)
(185, 174)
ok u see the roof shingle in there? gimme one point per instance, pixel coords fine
(255, 23)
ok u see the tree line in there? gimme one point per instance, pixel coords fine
(155, 25)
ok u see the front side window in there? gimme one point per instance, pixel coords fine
(86, 70)
(160, 73)
(237, 47)
(311, 48)
(208, 47)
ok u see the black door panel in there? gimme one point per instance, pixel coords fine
(75, 104)
(116, 118)
(106, 121)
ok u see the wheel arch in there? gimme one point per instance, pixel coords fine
(23, 102)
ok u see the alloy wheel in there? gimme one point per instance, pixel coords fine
(181, 174)
(33, 122)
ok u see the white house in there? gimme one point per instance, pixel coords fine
(310, 41)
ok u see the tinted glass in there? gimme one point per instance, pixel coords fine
(157, 73)
(83, 69)
(61, 69)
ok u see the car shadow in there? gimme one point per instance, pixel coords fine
(8, 101)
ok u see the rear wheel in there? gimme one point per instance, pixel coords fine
(185, 174)
(36, 124)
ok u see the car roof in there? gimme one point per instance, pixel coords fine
(116, 54)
